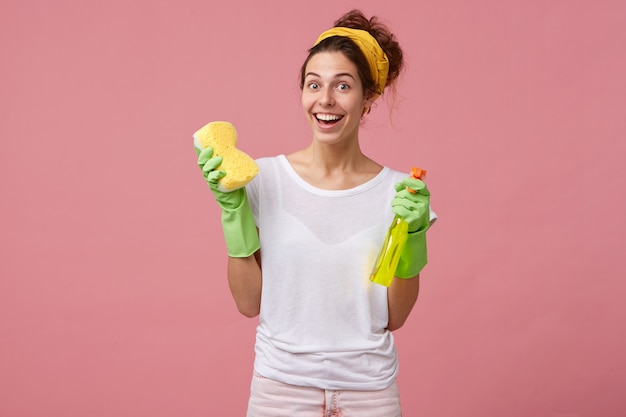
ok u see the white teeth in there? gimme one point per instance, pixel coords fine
(327, 117)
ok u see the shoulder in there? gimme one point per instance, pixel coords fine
(394, 175)
(267, 164)
(268, 169)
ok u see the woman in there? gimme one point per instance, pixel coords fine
(324, 338)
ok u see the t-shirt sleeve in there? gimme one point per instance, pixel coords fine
(252, 190)
(433, 216)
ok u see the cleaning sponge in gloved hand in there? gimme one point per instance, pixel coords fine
(240, 232)
(240, 168)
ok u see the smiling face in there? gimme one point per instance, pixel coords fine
(333, 98)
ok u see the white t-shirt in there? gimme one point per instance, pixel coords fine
(322, 322)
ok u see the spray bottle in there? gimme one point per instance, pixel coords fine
(387, 261)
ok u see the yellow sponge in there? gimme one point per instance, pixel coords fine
(240, 168)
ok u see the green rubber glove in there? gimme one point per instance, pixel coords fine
(414, 208)
(242, 238)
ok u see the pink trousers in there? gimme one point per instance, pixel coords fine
(269, 398)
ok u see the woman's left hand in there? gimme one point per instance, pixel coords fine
(412, 203)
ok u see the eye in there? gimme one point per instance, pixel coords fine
(313, 85)
(343, 86)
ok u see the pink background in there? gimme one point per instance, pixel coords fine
(113, 296)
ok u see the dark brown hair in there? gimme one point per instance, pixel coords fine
(355, 19)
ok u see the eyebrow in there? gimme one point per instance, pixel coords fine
(341, 74)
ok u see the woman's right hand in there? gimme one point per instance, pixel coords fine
(242, 238)
(209, 165)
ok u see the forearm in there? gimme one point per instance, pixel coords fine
(245, 281)
(401, 297)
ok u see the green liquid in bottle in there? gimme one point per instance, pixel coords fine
(389, 255)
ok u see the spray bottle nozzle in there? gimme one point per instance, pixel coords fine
(418, 174)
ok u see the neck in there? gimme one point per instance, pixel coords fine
(340, 157)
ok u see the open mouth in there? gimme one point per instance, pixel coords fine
(327, 119)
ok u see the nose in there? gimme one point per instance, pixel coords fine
(326, 98)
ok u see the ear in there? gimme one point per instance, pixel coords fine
(369, 102)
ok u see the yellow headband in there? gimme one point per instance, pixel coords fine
(376, 57)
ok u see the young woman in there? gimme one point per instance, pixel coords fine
(303, 236)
